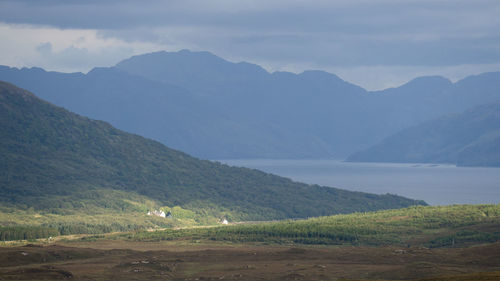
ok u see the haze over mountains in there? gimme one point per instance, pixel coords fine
(471, 138)
(206, 106)
(55, 161)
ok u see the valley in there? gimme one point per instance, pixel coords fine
(249, 140)
(70, 174)
(78, 193)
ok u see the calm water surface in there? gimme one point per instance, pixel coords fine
(436, 184)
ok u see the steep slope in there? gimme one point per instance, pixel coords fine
(203, 126)
(420, 99)
(468, 139)
(215, 109)
(430, 97)
(344, 118)
(306, 110)
(236, 110)
(54, 160)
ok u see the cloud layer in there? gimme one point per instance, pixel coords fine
(345, 36)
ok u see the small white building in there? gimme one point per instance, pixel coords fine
(158, 213)
(224, 221)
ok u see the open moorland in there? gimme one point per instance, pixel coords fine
(120, 260)
(418, 243)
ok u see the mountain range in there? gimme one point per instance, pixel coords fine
(471, 138)
(57, 162)
(215, 109)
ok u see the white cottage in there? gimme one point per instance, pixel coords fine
(158, 213)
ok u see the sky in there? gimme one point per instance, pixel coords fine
(373, 43)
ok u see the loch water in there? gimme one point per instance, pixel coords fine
(436, 184)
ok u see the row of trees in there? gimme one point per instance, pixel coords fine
(11, 233)
(26, 233)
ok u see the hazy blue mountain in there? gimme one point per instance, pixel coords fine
(167, 113)
(212, 108)
(471, 138)
(200, 72)
(342, 117)
(301, 109)
(53, 159)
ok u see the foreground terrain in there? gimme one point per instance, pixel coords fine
(119, 260)
(460, 242)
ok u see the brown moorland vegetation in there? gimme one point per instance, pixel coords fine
(123, 260)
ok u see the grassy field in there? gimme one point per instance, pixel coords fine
(418, 243)
(97, 215)
(415, 226)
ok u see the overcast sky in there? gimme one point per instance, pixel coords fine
(372, 43)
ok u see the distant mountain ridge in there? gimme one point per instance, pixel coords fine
(215, 109)
(58, 162)
(471, 138)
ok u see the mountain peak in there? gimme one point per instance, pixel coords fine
(423, 84)
(428, 82)
(181, 57)
(430, 79)
(320, 75)
(184, 67)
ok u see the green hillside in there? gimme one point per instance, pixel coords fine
(415, 226)
(56, 163)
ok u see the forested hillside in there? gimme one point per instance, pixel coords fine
(56, 162)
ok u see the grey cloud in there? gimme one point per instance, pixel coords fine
(44, 48)
(76, 59)
(342, 33)
(364, 16)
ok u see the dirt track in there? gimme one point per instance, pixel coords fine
(119, 260)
